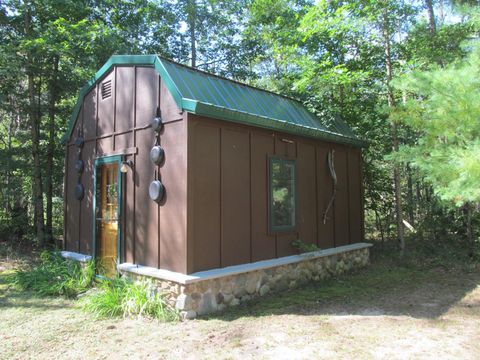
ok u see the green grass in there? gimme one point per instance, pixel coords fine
(362, 285)
(54, 276)
(123, 298)
(422, 264)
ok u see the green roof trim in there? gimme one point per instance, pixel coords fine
(209, 95)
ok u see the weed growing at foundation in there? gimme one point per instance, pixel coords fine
(304, 247)
(54, 276)
(122, 298)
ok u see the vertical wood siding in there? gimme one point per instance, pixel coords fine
(235, 195)
(342, 223)
(263, 244)
(205, 175)
(326, 229)
(228, 168)
(153, 235)
(73, 205)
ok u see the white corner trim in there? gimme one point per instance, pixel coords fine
(155, 273)
(236, 269)
(75, 256)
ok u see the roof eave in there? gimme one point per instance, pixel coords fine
(210, 110)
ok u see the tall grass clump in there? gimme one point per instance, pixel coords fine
(123, 298)
(54, 276)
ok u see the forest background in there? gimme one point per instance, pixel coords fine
(404, 75)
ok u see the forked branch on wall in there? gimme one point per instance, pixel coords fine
(333, 174)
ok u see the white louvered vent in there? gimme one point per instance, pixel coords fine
(106, 89)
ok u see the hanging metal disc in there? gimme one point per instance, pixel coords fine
(79, 141)
(156, 191)
(157, 124)
(157, 154)
(79, 191)
(79, 165)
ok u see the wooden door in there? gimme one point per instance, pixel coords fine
(107, 219)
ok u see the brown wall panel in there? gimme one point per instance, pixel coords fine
(86, 205)
(306, 192)
(147, 95)
(263, 244)
(124, 141)
(73, 205)
(78, 125)
(284, 244)
(104, 146)
(325, 236)
(355, 196)
(205, 173)
(106, 107)
(146, 211)
(129, 216)
(170, 110)
(315, 188)
(173, 213)
(143, 237)
(235, 186)
(124, 99)
(341, 199)
(90, 114)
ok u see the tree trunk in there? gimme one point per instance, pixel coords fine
(470, 237)
(37, 173)
(50, 152)
(431, 17)
(35, 134)
(411, 200)
(192, 18)
(378, 223)
(8, 195)
(394, 131)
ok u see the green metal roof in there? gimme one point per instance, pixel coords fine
(205, 94)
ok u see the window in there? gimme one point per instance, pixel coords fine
(282, 194)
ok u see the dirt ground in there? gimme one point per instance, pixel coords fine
(382, 312)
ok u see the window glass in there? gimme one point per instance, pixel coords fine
(282, 194)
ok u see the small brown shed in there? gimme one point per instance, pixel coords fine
(171, 168)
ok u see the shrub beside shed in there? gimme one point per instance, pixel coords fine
(204, 184)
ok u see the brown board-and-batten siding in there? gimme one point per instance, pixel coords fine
(228, 194)
(152, 235)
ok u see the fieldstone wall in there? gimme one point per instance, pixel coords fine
(212, 295)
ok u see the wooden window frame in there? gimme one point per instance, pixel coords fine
(272, 229)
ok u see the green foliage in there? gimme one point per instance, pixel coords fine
(120, 297)
(328, 54)
(56, 276)
(444, 111)
(304, 247)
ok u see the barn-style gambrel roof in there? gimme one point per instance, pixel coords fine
(209, 95)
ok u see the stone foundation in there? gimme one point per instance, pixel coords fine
(215, 290)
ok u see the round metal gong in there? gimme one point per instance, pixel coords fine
(157, 124)
(79, 191)
(79, 165)
(79, 141)
(156, 191)
(157, 154)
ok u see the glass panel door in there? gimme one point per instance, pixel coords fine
(107, 219)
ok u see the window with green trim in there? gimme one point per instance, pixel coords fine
(282, 194)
